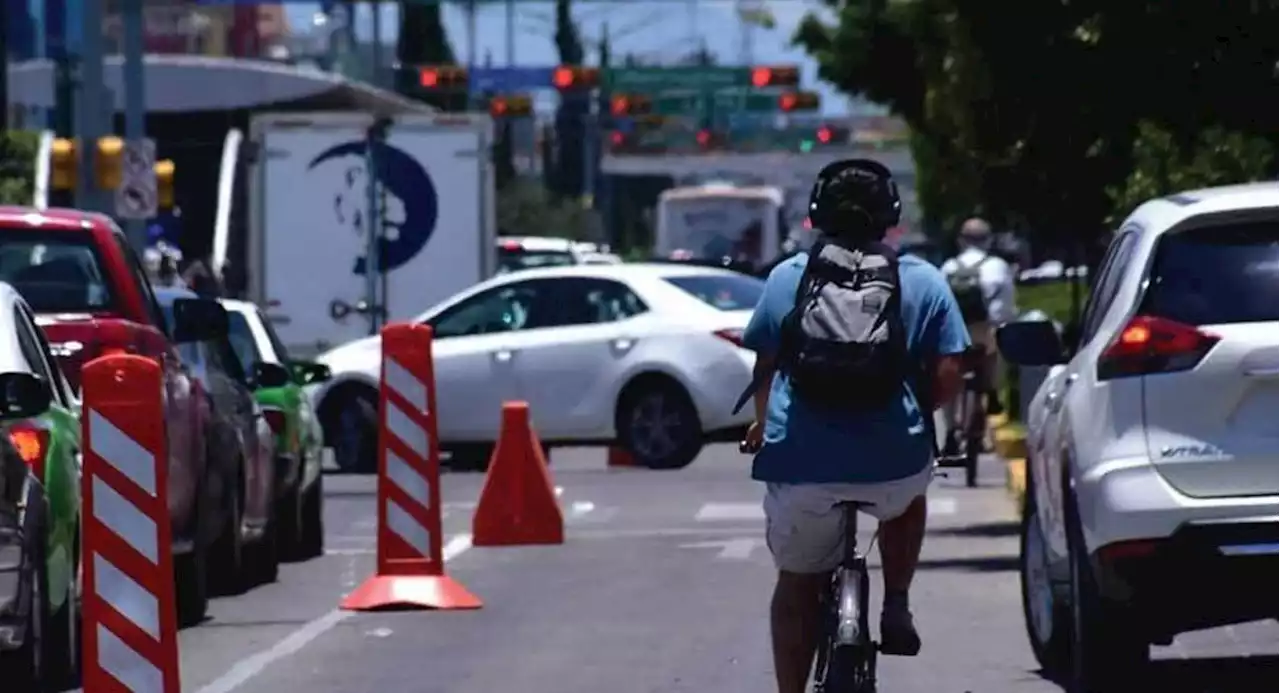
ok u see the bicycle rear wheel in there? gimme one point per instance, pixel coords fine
(845, 668)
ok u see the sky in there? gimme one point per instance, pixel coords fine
(661, 30)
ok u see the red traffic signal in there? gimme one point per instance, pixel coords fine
(442, 77)
(628, 104)
(775, 76)
(832, 134)
(574, 77)
(512, 106)
(798, 101)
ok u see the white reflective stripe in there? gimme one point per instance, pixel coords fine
(408, 479)
(132, 600)
(125, 520)
(406, 384)
(404, 428)
(122, 452)
(408, 528)
(127, 666)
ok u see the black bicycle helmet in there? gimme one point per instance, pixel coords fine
(852, 195)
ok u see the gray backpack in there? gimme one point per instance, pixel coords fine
(844, 346)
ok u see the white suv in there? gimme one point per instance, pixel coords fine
(1151, 505)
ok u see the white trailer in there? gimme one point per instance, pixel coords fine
(308, 204)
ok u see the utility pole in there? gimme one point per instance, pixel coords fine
(93, 112)
(4, 69)
(373, 274)
(135, 111)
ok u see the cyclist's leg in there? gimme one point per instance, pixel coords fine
(901, 508)
(804, 531)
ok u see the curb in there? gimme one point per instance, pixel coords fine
(1016, 478)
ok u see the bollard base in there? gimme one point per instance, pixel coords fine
(388, 592)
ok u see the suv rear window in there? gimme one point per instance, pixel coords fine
(726, 292)
(512, 260)
(55, 272)
(1216, 275)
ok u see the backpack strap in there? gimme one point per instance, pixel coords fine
(788, 327)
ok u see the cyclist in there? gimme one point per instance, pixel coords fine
(982, 283)
(812, 458)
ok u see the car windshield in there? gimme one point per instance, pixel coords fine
(511, 260)
(1217, 275)
(722, 291)
(56, 272)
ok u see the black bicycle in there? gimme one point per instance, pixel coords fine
(846, 661)
(965, 433)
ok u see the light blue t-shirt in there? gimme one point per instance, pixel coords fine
(807, 446)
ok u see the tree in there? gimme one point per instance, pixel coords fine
(571, 114)
(17, 167)
(423, 41)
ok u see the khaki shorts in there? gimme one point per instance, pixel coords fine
(805, 525)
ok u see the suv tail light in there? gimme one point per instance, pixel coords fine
(1149, 345)
(275, 419)
(31, 442)
(732, 335)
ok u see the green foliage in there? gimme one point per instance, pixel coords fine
(1028, 111)
(17, 166)
(1054, 298)
(525, 208)
(1162, 166)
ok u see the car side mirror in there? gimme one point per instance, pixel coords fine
(1030, 343)
(198, 320)
(270, 375)
(23, 395)
(310, 373)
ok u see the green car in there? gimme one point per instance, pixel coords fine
(39, 512)
(300, 447)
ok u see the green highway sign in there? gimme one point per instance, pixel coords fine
(655, 79)
(742, 100)
(688, 103)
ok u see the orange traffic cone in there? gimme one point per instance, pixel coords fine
(518, 503)
(619, 457)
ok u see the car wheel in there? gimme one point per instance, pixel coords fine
(190, 576)
(1048, 620)
(264, 555)
(1108, 654)
(350, 420)
(658, 424)
(289, 530)
(227, 564)
(25, 666)
(311, 538)
(61, 655)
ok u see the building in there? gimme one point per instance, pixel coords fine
(190, 27)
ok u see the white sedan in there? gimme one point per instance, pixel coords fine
(646, 356)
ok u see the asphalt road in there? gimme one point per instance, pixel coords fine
(661, 587)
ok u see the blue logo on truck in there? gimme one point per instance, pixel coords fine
(412, 202)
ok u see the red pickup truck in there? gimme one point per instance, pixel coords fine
(90, 295)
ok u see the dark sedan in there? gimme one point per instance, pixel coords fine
(242, 447)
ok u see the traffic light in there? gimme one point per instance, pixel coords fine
(833, 134)
(108, 162)
(630, 104)
(442, 77)
(798, 101)
(63, 164)
(575, 78)
(511, 106)
(775, 76)
(164, 183)
(619, 141)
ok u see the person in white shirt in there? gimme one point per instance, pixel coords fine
(984, 286)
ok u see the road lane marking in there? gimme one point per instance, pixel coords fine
(250, 667)
(580, 508)
(734, 549)
(712, 512)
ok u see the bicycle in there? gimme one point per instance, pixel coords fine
(963, 444)
(846, 657)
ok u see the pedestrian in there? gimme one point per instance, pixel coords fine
(853, 346)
